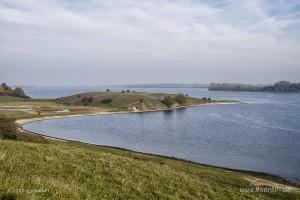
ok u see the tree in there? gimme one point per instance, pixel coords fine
(5, 90)
(18, 92)
(180, 98)
(168, 101)
(4, 86)
(128, 91)
(282, 86)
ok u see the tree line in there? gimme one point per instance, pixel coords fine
(5, 90)
(281, 86)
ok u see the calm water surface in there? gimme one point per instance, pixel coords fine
(261, 134)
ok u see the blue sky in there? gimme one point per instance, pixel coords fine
(93, 42)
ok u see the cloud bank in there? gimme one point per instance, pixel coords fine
(69, 42)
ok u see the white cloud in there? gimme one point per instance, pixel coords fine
(228, 34)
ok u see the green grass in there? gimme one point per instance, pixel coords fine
(124, 101)
(9, 99)
(18, 114)
(66, 170)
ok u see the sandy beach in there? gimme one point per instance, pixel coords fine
(21, 122)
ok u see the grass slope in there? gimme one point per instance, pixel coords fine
(66, 170)
(125, 101)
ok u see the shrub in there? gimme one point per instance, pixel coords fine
(87, 100)
(123, 91)
(180, 98)
(128, 91)
(106, 100)
(9, 136)
(8, 196)
(141, 100)
(8, 128)
(168, 101)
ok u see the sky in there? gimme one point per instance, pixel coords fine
(96, 42)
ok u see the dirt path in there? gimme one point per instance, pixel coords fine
(259, 182)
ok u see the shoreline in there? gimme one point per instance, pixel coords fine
(253, 177)
(21, 122)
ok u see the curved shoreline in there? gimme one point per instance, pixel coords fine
(251, 176)
(21, 122)
(262, 178)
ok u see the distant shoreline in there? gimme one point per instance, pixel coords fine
(279, 87)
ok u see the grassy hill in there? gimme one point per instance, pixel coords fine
(126, 101)
(95, 102)
(48, 169)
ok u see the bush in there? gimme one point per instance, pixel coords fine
(87, 100)
(106, 100)
(180, 98)
(9, 136)
(8, 196)
(123, 91)
(128, 91)
(8, 128)
(168, 101)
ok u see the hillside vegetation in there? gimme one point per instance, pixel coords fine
(5, 90)
(131, 100)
